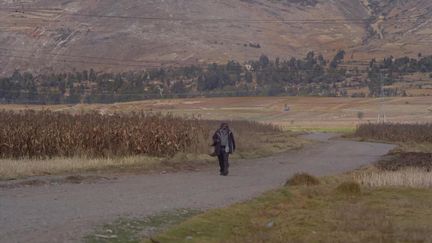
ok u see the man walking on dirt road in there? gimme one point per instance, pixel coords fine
(224, 143)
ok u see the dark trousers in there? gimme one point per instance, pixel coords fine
(223, 161)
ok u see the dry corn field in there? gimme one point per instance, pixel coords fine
(46, 134)
(419, 133)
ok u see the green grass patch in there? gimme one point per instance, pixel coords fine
(126, 230)
(316, 214)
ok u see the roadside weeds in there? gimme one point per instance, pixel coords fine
(338, 209)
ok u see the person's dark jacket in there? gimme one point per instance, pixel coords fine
(217, 142)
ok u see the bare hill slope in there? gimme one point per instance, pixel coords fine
(131, 34)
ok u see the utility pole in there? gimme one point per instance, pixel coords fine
(381, 114)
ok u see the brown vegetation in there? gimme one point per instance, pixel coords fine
(400, 161)
(394, 132)
(409, 177)
(34, 143)
(46, 134)
(302, 179)
(407, 166)
(402, 169)
(349, 187)
(311, 113)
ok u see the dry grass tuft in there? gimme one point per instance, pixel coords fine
(410, 177)
(349, 187)
(302, 179)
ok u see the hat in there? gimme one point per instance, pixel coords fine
(224, 124)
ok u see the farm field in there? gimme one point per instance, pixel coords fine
(295, 113)
(248, 121)
(288, 113)
(392, 197)
(44, 142)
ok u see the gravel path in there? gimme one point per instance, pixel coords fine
(67, 212)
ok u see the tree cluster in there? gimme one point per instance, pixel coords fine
(311, 75)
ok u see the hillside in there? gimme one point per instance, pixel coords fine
(397, 28)
(110, 35)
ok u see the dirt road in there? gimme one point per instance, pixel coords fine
(66, 212)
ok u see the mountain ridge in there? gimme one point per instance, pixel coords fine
(47, 35)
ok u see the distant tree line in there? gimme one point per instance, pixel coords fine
(311, 75)
(391, 70)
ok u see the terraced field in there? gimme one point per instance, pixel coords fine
(298, 113)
